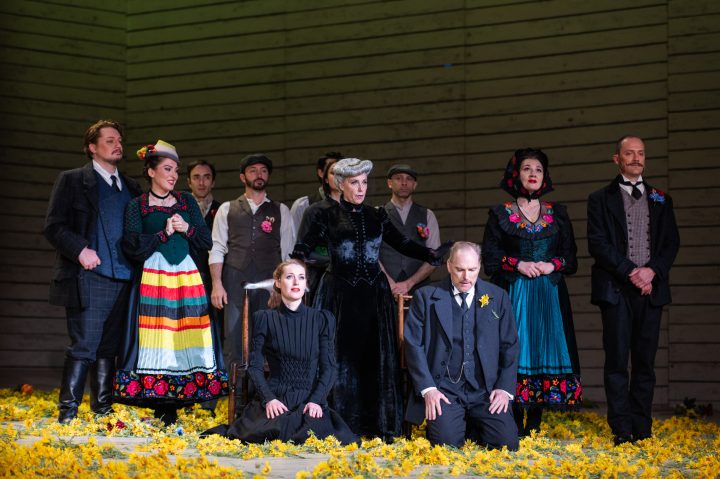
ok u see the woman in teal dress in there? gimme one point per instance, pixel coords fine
(171, 354)
(528, 248)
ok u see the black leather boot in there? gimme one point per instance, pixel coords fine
(72, 387)
(534, 418)
(519, 416)
(167, 414)
(102, 373)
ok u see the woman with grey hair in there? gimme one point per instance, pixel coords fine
(367, 391)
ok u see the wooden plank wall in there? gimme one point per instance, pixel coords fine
(693, 142)
(63, 67)
(452, 87)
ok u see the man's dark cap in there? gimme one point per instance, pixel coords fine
(401, 168)
(254, 159)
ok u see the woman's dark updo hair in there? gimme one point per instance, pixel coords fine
(531, 153)
(511, 178)
(152, 162)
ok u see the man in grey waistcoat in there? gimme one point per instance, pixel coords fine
(91, 276)
(633, 237)
(418, 223)
(251, 235)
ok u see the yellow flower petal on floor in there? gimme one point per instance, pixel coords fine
(568, 445)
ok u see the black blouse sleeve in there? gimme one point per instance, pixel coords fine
(565, 258)
(326, 361)
(403, 244)
(312, 232)
(256, 367)
(494, 257)
(136, 244)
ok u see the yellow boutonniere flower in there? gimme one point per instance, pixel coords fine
(484, 300)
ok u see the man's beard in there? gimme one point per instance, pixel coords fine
(252, 185)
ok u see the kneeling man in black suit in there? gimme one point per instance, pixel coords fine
(461, 350)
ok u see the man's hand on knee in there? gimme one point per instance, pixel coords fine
(499, 401)
(432, 404)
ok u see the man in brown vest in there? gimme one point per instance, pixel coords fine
(251, 235)
(633, 237)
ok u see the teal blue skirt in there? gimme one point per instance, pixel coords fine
(545, 371)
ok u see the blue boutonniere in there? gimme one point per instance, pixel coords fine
(657, 196)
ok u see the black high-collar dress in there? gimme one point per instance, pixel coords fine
(299, 350)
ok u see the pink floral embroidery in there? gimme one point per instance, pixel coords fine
(267, 225)
(190, 389)
(160, 387)
(548, 218)
(423, 231)
(509, 263)
(514, 218)
(133, 388)
(214, 387)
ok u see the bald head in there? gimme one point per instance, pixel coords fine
(464, 265)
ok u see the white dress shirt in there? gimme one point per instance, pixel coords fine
(220, 231)
(107, 176)
(628, 189)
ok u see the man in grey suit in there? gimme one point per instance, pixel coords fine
(91, 277)
(461, 350)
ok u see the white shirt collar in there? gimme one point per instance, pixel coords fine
(628, 189)
(106, 176)
(265, 200)
(468, 299)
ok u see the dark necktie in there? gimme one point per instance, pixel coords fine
(115, 183)
(636, 193)
(463, 302)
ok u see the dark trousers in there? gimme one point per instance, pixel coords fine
(469, 405)
(631, 330)
(233, 280)
(95, 329)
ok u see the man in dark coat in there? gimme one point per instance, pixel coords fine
(91, 275)
(201, 180)
(461, 351)
(633, 237)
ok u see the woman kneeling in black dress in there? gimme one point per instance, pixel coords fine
(298, 343)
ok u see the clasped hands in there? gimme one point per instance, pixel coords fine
(276, 408)
(176, 223)
(499, 401)
(642, 279)
(534, 269)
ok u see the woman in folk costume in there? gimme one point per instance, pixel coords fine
(528, 249)
(171, 355)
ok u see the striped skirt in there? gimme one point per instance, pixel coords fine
(176, 357)
(173, 319)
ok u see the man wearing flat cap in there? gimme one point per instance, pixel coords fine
(251, 235)
(418, 223)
